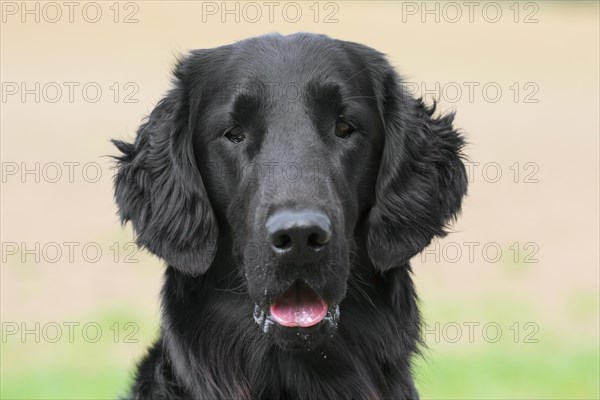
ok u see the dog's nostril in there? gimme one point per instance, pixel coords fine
(282, 241)
(300, 232)
(317, 240)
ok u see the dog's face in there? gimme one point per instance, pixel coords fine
(289, 157)
(282, 155)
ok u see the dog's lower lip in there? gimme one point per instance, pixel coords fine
(299, 306)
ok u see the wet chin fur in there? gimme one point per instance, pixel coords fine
(298, 337)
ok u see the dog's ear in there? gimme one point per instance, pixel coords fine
(421, 178)
(159, 189)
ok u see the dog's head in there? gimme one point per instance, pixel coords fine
(285, 156)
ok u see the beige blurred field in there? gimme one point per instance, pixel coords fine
(541, 134)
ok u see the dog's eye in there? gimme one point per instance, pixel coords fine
(235, 134)
(343, 128)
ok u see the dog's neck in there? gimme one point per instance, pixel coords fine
(369, 354)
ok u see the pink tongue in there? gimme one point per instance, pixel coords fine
(299, 306)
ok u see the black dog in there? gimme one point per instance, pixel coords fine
(287, 181)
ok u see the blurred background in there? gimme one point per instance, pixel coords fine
(510, 300)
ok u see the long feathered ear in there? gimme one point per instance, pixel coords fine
(421, 179)
(159, 189)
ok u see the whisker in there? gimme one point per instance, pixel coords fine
(356, 74)
(359, 97)
(236, 290)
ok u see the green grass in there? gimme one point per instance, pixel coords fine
(525, 372)
(83, 369)
(546, 373)
(553, 368)
(67, 382)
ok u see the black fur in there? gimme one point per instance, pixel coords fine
(389, 188)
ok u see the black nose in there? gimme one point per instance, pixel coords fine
(303, 231)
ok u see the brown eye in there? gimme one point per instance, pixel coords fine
(235, 134)
(343, 129)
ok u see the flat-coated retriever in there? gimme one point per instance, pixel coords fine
(287, 181)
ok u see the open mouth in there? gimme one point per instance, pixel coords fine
(299, 306)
